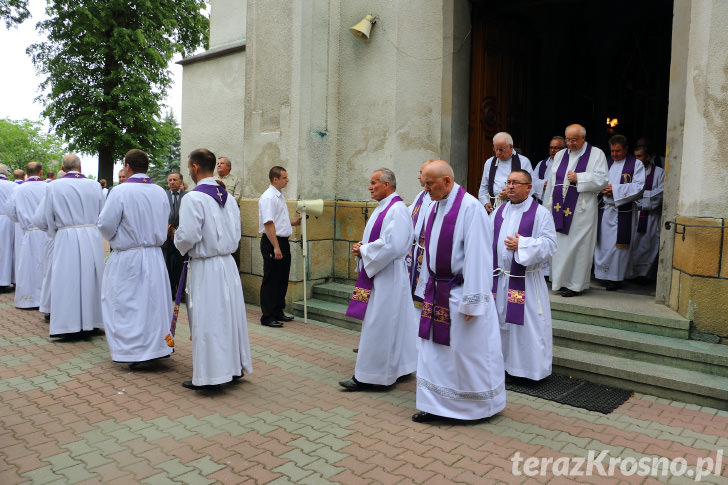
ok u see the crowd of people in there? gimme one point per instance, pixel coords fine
(456, 288)
(452, 287)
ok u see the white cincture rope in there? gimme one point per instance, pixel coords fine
(31, 229)
(500, 271)
(79, 225)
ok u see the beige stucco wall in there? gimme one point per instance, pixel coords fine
(227, 22)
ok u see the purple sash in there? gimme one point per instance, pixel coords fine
(140, 180)
(517, 282)
(217, 192)
(562, 218)
(542, 169)
(644, 214)
(169, 338)
(436, 304)
(624, 211)
(34, 178)
(364, 284)
(515, 165)
(3, 177)
(74, 175)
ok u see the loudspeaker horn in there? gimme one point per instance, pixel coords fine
(364, 27)
(314, 207)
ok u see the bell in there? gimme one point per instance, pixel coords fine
(364, 27)
(314, 207)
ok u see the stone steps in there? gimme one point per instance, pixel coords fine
(613, 338)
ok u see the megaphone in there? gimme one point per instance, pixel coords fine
(314, 207)
(364, 27)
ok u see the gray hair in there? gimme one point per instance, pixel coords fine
(71, 162)
(3, 169)
(227, 161)
(509, 138)
(387, 176)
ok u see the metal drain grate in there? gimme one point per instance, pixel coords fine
(572, 391)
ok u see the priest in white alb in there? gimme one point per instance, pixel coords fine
(30, 256)
(382, 297)
(617, 214)
(418, 209)
(645, 243)
(72, 206)
(7, 232)
(209, 232)
(460, 370)
(524, 239)
(492, 192)
(135, 293)
(577, 176)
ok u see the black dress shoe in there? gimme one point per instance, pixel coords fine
(424, 417)
(189, 385)
(567, 293)
(354, 385)
(614, 285)
(47, 316)
(356, 351)
(284, 318)
(272, 323)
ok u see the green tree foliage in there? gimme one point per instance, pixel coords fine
(14, 11)
(106, 66)
(25, 141)
(167, 158)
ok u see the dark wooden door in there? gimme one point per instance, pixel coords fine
(501, 86)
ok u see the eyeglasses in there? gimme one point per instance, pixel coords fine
(572, 140)
(516, 182)
(495, 149)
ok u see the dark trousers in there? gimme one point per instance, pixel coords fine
(275, 279)
(173, 259)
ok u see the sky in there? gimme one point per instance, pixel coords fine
(19, 83)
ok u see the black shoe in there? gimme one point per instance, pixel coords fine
(424, 417)
(284, 318)
(189, 385)
(567, 293)
(47, 316)
(614, 285)
(272, 323)
(354, 385)
(356, 351)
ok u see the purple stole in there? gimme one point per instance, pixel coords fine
(644, 214)
(515, 165)
(34, 179)
(219, 195)
(517, 282)
(624, 211)
(542, 169)
(436, 304)
(74, 176)
(3, 177)
(364, 284)
(413, 268)
(140, 180)
(562, 218)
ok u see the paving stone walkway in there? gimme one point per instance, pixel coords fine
(70, 415)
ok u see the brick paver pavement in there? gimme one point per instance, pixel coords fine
(70, 415)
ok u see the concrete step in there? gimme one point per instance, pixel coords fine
(691, 355)
(336, 292)
(636, 313)
(327, 311)
(645, 377)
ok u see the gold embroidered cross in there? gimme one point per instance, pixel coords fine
(219, 194)
(567, 212)
(557, 207)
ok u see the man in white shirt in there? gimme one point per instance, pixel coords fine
(493, 191)
(7, 233)
(275, 227)
(543, 169)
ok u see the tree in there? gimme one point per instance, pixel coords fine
(106, 66)
(14, 11)
(166, 159)
(25, 141)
